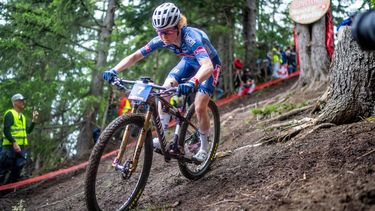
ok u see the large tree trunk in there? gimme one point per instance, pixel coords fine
(304, 51)
(85, 141)
(352, 83)
(314, 60)
(225, 48)
(249, 32)
(319, 56)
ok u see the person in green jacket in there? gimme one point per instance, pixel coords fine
(276, 61)
(13, 155)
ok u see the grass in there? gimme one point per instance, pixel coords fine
(276, 108)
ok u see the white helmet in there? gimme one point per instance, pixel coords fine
(165, 16)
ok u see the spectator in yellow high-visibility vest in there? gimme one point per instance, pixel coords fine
(276, 60)
(13, 155)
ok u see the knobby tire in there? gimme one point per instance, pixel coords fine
(91, 191)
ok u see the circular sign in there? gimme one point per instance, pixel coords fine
(308, 11)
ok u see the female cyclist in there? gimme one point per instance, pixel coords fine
(199, 67)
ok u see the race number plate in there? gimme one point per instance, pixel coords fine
(140, 92)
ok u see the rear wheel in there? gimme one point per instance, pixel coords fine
(189, 138)
(110, 189)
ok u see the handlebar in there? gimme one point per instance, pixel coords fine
(121, 83)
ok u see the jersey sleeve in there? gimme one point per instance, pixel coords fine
(195, 42)
(151, 46)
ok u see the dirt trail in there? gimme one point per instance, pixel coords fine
(328, 169)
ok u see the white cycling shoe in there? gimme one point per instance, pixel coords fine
(201, 155)
(156, 144)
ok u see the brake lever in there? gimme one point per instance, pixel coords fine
(118, 83)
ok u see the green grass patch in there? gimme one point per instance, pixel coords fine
(278, 108)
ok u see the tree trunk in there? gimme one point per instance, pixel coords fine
(314, 60)
(352, 83)
(304, 49)
(319, 56)
(225, 48)
(85, 141)
(249, 32)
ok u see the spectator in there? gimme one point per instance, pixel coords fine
(363, 30)
(275, 62)
(95, 134)
(13, 156)
(238, 66)
(248, 85)
(268, 63)
(292, 62)
(283, 56)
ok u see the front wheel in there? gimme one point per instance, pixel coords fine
(107, 188)
(189, 138)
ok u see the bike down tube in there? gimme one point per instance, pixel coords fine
(125, 139)
(141, 140)
(159, 131)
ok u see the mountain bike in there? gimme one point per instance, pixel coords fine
(118, 169)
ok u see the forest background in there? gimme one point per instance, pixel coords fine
(53, 52)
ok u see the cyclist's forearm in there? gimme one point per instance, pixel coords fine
(129, 61)
(205, 71)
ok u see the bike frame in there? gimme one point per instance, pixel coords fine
(152, 113)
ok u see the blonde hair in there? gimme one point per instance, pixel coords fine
(182, 22)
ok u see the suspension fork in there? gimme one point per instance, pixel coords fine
(141, 140)
(124, 141)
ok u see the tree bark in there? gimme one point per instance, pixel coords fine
(304, 38)
(352, 83)
(85, 140)
(314, 60)
(225, 49)
(319, 56)
(249, 32)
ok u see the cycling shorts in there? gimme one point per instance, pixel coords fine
(186, 69)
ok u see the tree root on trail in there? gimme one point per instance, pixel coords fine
(296, 130)
(323, 125)
(299, 125)
(288, 114)
(287, 135)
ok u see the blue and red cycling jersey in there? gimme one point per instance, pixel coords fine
(195, 46)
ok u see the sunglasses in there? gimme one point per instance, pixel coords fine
(166, 32)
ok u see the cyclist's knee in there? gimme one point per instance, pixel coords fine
(201, 103)
(200, 109)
